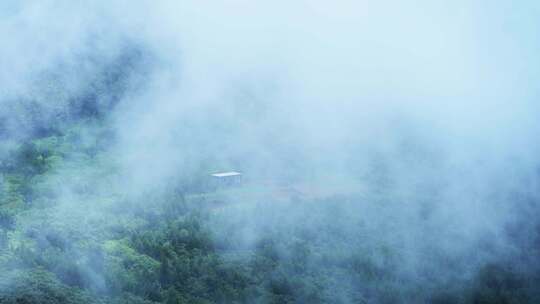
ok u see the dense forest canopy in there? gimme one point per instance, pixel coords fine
(388, 152)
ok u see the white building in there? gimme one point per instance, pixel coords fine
(227, 178)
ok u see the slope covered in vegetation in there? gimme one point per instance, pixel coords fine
(388, 151)
(68, 235)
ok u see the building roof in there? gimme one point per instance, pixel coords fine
(226, 174)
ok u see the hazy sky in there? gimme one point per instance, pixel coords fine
(275, 82)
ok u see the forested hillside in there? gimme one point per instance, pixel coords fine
(178, 246)
(383, 152)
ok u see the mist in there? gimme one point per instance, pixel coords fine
(390, 148)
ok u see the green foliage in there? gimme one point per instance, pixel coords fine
(39, 286)
(184, 244)
(128, 270)
(189, 265)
